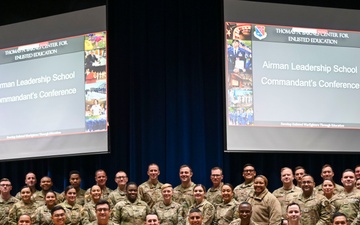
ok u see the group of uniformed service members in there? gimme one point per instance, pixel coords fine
(152, 202)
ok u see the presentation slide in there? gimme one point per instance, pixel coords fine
(290, 87)
(53, 92)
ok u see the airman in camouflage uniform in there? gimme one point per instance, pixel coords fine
(327, 173)
(183, 193)
(42, 216)
(288, 187)
(120, 192)
(6, 200)
(207, 209)
(73, 213)
(100, 179)
(25, 206)
(348, 201)
(75, 181)
(102, 209)
(168, 211)
(131, 211)
(244, 211)
(46, 185)
(150, 191)
(30, 181)
(242, 191)
(213, 195)
(315, 208)
(226, 212)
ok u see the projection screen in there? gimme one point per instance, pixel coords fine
(53, 86)
(291, 78)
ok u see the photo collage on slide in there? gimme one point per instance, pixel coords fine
(95, 81)
(239, 76)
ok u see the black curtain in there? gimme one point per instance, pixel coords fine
(166, 102)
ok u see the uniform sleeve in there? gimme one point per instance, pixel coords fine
(208, 214)
(12, 215)
(324, 212)
(274, 212)
(36, 217)
(180, 216)
(84, 216)
(116, 213)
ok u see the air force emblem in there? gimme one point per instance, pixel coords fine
(260, 32)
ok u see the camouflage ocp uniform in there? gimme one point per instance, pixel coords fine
(226, 212)
(184, 196)
(337, 190)
(281, 194)
(238, 222)
(208, 212)
(315, 210)
(73, 213)
(172, 214)
(242, 191)
(104, 194)
(116, 196)
(349, 204)
(88, 213)
(5, 207)
(213, 195)
(20, 208)
(150, 193)
(128, 213)
(80, 196)
(42, 216)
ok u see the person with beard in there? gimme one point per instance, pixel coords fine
(288, 187)
(131, 211)
(150, 190)
(315, 208)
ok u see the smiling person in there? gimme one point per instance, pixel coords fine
(46, 185)
(119, 193)
(75, 181)
(102, 208)
(207, 209)
(195, 217)
(266, 209)
(72, 209)
(30, 181)
(151, 219)
(315, 207)
(287, 178)
(293, 214)
(328, 187)
(24, 220)
(150, 190)
(227, 210)
(242, 191)
(213, 194)
(100, 179)
(25, 206)
(348, 201)
(58, 215)
(88, 212)
(183, 193)
(245, 212)
(168, 211)
(328, 173)
(42, 215)
(131, 211)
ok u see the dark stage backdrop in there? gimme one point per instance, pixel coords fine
(166, 98)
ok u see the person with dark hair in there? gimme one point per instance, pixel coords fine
(168, 211)
(299, 172)
(119, 193)
(357, 171)
(315, 208)
(207, 209)
(58, 215)
(88, 212)
(293, 214)
(100, 179)
(24, 219)
(6, 200)
(46, 185)
(42, 215)
(195, 217)
(102, 208)
(150, 190)
(25, 206)
(131, 211)
(183, 193)
(287, 178)
(213, 194)
(245, 212)
(266, 209)
(75, 181)
(241, 192)
(72, 209)
(227, 210)
(339, 219)
(328, 173)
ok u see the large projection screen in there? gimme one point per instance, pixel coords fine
(292, 78)
(53, 86)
